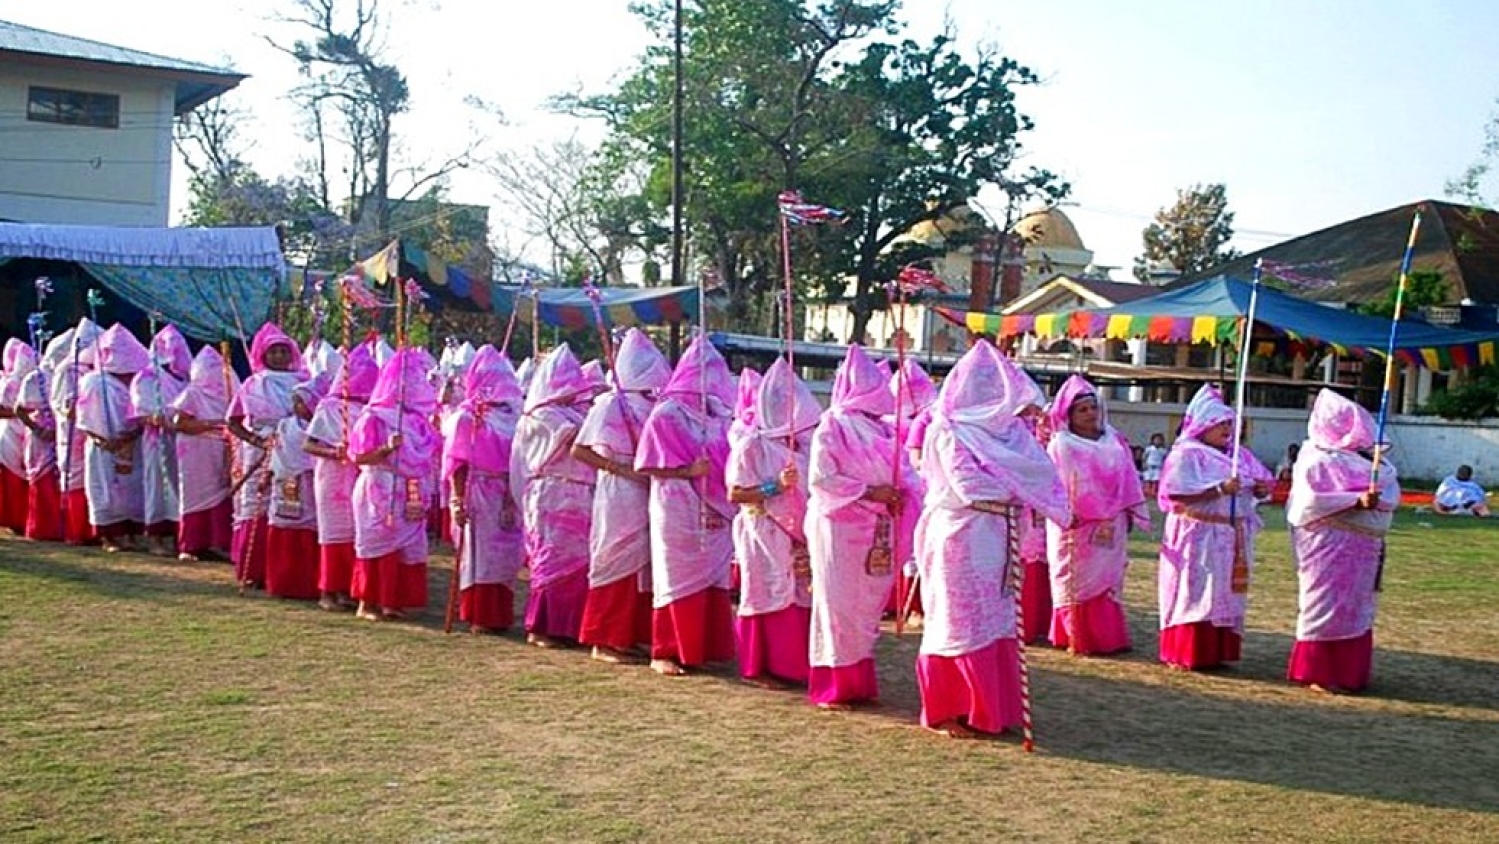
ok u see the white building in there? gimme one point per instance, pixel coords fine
(87, 127)
(1050, 247)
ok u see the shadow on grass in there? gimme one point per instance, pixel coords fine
(115, 575)
(1316, 745)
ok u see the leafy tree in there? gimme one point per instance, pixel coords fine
(1469, 186)
(1191, 235)
(352, 97)
(815, 96)
(1422, 288)
(1476, 399)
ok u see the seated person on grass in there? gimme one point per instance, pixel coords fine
(1459, 495)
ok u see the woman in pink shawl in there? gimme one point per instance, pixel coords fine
(68, 350)
(860, 517)
(765, 475)
(151, 395)
(914, 395)
(111, 457)
(291, 565)
(261, 402)
(617, 613)
(683, 448)
(555, 493)
(1338, 525)
(476, 467)
(746, 397)
(19, 361)
(204, 454)
(983, 467)
(44, 515)
(1089, 554)
(334, 474)
(397, 450)
(1207, 544)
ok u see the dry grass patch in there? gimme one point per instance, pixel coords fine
(144, 700)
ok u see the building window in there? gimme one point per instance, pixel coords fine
(73, 108)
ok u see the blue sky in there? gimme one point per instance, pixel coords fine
(1310, 113)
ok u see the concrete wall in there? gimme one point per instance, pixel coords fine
(1423, 447)
(52, 173)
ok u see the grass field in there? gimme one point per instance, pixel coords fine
(140, 699)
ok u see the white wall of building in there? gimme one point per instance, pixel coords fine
(52, 173)
(1421, 446)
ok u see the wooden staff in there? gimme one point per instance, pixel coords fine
(1017, 579)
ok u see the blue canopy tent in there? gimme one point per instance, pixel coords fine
(212, 283)
(1211, 312)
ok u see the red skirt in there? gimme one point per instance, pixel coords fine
(557, 610)
(844, 684)
(291, 563)
(207, 530)
(389, 583)
(487, 605)
(44, 517)
(335, 568)
(980, 688)
(76, 529)
(774, 644)
(1200, 645)
(1096, 626)
(15, 501)
(1342, 665)
(694, 630)
(248, 552)
(1035, 601)
(617, 616)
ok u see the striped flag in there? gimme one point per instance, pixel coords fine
(799, 212)
(916, 279)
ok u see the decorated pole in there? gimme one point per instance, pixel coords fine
(526, 283)
(1014, 574)
(1246, 337)
(911, 279)
(1389, 371)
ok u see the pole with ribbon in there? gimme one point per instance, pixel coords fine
(1389, 371)
(158, 423)
(527, 288)
(36, 327)
(911, 280)
(1239, 573)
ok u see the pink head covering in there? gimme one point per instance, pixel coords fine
(85, 335)
(1337, 424)
(913, 388)
(638, 365)
(784, 405)
(313, 390)
(747, 397)
(403, 385)
(1205, 411)
(862, 385)
(491, 380)
(593, 373)
(205, 375)
(1021, 390)
(169, 350)
(120, 353)
(357, 376)
(270, 335)
(558, 380)
(975, 391)
(1074, 388)
(15, 351)
(702, 369)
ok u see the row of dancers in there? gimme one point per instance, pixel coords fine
(676, 516)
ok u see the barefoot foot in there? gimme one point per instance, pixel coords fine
(668, 668)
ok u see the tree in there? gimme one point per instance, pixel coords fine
(1469, 187)
(1423, 288)
(352, 97)
(1191, 235)
(789, 94)
(224, 190)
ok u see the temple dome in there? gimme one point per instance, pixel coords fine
(1049, 228)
